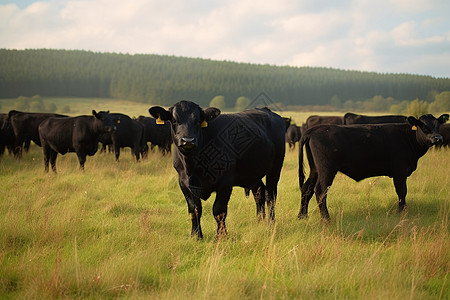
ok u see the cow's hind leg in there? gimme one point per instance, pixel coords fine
(53, 155)
(271, 192)
(321, 190)
(81, 159)
(220, 209)
(46, 149)
(259, 193)
(401, 190)
(307, 192)
(117, 151)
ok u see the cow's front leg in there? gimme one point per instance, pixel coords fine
(400, 188)
(194, 210)
(81, 159)
(220, 209)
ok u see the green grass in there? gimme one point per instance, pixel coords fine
(121, 230)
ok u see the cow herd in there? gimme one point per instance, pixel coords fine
(213, 152)
(81, 134)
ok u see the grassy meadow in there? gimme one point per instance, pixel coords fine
(121, 230)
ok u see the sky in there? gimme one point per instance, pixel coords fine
(383, 36)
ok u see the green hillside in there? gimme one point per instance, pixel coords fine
(165, 79)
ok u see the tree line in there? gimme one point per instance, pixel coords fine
(163, 80)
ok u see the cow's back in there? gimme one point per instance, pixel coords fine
(315, 120)
(247, 144)
(351, 118)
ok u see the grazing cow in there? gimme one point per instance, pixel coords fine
(7, 137)
(214, 152)
(76, 134)
(362, 151)
(444, 130)
(321, 120)
(25, 126)
(351, 118)
(293, 135)
(157, 134)
(129, 133)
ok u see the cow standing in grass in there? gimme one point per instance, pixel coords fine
(214, 152)
(76, 134)
(25, 126)
(293, 134)
(157, 134)
(362, 151)
(128, 133)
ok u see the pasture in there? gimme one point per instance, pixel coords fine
(121, 230)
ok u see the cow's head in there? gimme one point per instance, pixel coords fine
(105, 118)
(427, 127)
(187, 120)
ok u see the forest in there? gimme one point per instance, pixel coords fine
(163, 80)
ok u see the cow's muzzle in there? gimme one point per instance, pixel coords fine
(437, 139)
(188, 144)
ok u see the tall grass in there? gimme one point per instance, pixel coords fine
(121, 230)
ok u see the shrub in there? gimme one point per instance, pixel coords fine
(218, 101)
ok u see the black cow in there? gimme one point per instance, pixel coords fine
(157, 134)
(362, 151)
(76, 134)
(7, 137)
(444, 130)
(25, 126)
(215, 152)
(293, 135)
(129, 133)
(351, 118)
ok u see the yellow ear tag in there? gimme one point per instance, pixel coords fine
(118, 121)
(414, 127)
(159, 121)
(204, 124)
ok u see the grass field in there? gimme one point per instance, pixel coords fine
(121, 230)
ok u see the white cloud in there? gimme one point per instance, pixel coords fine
(351, 34)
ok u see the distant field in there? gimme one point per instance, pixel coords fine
(80, 106)
(121, 230)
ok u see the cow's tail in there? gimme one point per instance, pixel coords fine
(301, 168)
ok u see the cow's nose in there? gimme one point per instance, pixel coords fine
(438, 139)
(188, 143)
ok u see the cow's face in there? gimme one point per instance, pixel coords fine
(105, 118)
(427, 127)
(187, 120)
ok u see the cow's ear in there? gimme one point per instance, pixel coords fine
(94, 113)
(414, 123)
(444, 118)
(210, 113)
(158, 112)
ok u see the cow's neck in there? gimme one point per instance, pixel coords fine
(419, 146)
